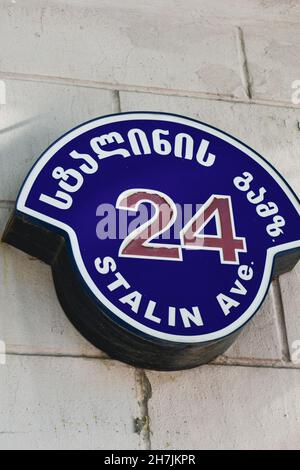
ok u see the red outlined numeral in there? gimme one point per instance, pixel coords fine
(226, 241)
(138, 243)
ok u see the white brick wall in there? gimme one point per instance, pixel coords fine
(226, 408)
(67, 403)
(35, 115)
(62, 62)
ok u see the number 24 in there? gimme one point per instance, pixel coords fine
(138, 243)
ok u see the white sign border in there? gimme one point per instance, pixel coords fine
(53, 149)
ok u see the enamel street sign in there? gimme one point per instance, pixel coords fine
(163, 234)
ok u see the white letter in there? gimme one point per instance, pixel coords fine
(120, 281)
(239, 289)
(112, 137)
(161, 146)
(195, 317)
(189, 146)
(226, 303)
(201, 154)
(245, 272)
(132, 136)
(133, 299)
(149, 312)
(172, 316)
(108, 265)
(65, 202)
(90, 167)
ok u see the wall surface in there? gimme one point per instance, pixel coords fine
(230, 64)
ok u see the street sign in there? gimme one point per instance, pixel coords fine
(163, 234)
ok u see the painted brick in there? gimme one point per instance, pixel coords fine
(273, 56)
(289, 284)
(256, 11)
(260, 338)
(230, 11)
(151, 45)
(273, 132)
(34, 116)
(217, 407)
(4, 216)
(60, 402)
(31, 319)
(67, 403)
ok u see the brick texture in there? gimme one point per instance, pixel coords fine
(34, 116)
(272, 56)
(67, 403)
(63, 62)
(226, 408)
(290, 296)
(119, 44)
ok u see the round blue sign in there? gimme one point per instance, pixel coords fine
(173, 226)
